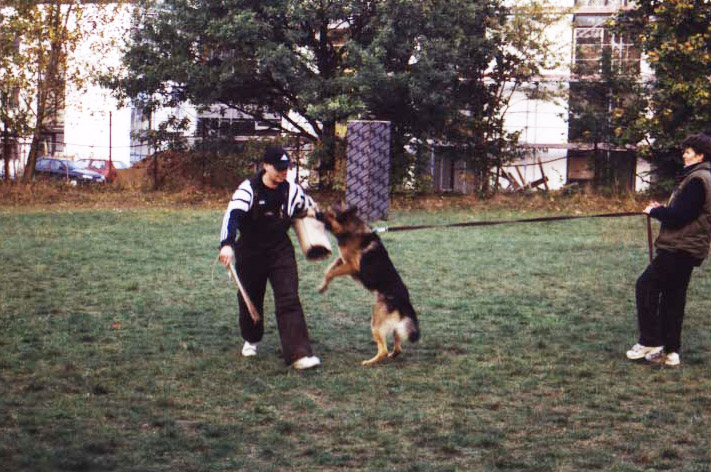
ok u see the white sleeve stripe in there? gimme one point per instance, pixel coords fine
(225, 222)
(297, 195)
(240, 193)
(299, 200)
(238, 205)
(246, 202)
(244, 193)
(292, 202)
(241, 200)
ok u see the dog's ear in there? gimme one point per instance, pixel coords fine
(347, 215)
(351, 211)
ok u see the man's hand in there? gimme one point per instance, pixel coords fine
(227, 255)
(651, 206)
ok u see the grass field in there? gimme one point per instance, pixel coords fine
(119, 351)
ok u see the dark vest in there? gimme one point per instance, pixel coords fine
(695, 237)
(267, 220)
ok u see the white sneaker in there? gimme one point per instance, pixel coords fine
(306, 363)
(249, 349)
(671, 359)
(638, 351)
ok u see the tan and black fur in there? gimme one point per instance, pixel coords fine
(363, 257)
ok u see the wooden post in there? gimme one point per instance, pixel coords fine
(543, 175)
(520, 176)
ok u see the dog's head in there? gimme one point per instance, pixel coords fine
(342, 221)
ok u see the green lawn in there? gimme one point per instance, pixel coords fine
(119, 351)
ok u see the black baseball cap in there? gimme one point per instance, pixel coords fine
(277, 157)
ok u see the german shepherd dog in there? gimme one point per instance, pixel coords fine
(363, 257)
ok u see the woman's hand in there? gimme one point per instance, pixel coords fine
(227, 255)
(651, 206)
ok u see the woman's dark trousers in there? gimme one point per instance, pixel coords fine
(278, 265)
(661, 299)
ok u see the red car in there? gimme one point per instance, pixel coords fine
(102, 166)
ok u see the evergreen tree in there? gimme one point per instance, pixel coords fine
(435, 68)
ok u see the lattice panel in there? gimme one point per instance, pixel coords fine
(368, 168)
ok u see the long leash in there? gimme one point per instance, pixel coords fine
(386, 229)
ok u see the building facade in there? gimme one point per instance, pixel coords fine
(565, 142)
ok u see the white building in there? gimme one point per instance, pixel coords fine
(547, 129)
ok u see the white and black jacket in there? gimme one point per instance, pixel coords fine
(261, 215)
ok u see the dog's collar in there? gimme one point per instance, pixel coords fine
(343, 237)
(369, 238)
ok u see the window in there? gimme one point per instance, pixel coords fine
(601, 3)
(43, 164)
(234, 127)
(594, 43)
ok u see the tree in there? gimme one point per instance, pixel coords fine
(258, 57)
(676, 101)
(38, 38)
(14, 113)
(321, 62)
(444, 73)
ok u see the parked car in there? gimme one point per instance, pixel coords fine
(121, 165)
(68, 171)
(102, 166)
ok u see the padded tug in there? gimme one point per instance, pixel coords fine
(363, 257)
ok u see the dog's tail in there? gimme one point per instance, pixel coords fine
(408, 327)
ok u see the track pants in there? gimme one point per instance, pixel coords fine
(661, 299)
(278, 265)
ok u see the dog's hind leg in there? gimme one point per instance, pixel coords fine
(382, 348)
(380, 329)
(397, 348)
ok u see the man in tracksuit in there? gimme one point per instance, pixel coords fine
(261, 210)
(682, 244)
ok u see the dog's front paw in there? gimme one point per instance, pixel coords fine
(322, 288)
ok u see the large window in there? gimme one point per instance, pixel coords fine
(596, 47)
(602, 3)
(599, 56)
(234, 127)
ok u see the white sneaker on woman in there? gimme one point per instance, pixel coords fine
(670, 359)
(306, 363)
(249, 349)
(639, 351)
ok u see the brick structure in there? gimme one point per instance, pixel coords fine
(368, 168)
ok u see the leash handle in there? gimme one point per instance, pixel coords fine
(650, 237)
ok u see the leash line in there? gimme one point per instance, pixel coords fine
(386, 229)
